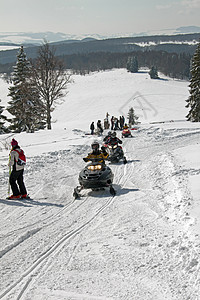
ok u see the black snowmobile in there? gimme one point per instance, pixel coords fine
(115, 153)
(96, 176)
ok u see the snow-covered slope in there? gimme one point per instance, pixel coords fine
(142, 244)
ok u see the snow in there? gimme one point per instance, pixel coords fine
(144, 243)
(151, 43)
(3, 48)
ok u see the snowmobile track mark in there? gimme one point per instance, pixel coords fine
(38, 264)
(41, 222)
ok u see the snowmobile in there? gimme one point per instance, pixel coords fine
(126, 133)
(115, 153)
(96, 176)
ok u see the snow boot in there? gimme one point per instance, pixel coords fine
(12, 197)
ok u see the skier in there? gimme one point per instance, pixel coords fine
(19, 191)
(96, 153)
(92, 128)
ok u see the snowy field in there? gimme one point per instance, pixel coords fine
(143, 244)
(3, 48)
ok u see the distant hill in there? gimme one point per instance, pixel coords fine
(36, 38)
(188, 29)
(182, 43)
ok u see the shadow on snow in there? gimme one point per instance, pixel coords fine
(28, 203)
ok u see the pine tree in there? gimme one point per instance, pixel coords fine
(25, 104)
(2, 120)
(132, 118)
(153, 73)
(132, 64)
(193, 102)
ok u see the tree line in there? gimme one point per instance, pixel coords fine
(175, 65)
(170, 64)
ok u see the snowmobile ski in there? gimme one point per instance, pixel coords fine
(125, 160)
(112, 191)
(76, 193)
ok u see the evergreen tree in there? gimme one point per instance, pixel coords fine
(25, 104)
(132, 64)
(193, 102)
(132, 118)
(153, 73)
(2, 120)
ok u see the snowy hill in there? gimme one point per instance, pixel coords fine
(144, 243)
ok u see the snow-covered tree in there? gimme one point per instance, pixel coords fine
(25, 104)
(132, 64)
(153, 73)
(193, 102)
(132, 118)
(50, 79)
(2, 120)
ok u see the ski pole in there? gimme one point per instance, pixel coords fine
(9, 181)
(9, 177)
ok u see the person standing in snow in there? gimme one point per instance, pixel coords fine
(92, 128)
(112, 122)
(121, 121)
(106, 124)
(116, 124)
(18, 189)
(99, 127)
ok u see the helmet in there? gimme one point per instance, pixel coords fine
(109, 133)
(113, 134)
(14, 143)
(95, 145)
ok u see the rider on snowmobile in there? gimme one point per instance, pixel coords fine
(96, 153)
(107, 136)
(113, 139)
(125, 126)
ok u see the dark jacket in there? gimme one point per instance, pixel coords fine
(92, 126)
(112, 140)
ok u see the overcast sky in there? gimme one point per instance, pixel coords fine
(97, 16)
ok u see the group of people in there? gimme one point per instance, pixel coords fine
(99, 129)
(117, 123)
(114, 124)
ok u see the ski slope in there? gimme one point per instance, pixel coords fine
(142, 244)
